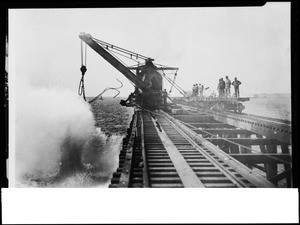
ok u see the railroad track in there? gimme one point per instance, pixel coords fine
(162, 152)
(269, 127)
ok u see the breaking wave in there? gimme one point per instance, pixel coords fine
(59, 143)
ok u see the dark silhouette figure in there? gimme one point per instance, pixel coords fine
(236, 83)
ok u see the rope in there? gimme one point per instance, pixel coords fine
(85, 55)
(108, 45)
(173, 82)
(114, 51)
(181, 91)
(123, 64)
(81, 89)
(106, 89)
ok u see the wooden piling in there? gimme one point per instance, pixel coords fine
(285, 149)
(271, 168)
(245, 150)
(234, 149)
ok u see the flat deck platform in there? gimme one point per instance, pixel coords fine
(218, 99)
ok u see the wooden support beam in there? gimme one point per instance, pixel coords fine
(270, 128)
(234, 148)
(223, 131)
(245, 141)
(262, 158)
(262, 168)
(225, 145)
(246, 150)
(228, 146)
(195, 118)
(271, 168)
(243, 99)
(280, 176)
(211, 125)
(262, 149)
(285, 149)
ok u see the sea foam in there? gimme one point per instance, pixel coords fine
(51, 125)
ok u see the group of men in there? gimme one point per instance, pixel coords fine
(224, 87)
(198, 90)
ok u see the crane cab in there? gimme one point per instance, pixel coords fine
(150, 98)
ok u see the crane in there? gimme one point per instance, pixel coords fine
(147, 80)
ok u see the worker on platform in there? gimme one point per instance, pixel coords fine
(221, 87)
(194, 90)
(198, 90)
(201, 87)
(227, 86)
(236, 83)
(165, 96)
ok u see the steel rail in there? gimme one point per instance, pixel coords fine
(235, 164)
(230, 175)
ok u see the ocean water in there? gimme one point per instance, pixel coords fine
(274, 107)
(99, 154)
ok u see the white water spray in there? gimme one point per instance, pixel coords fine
(50, 124)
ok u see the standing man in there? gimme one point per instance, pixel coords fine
(227, 86)
(221, 87)
(197, 90)
(201, 90)
(165, 95)
(194, 90)
(236, 83)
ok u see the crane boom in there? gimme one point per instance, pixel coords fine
(87, 38)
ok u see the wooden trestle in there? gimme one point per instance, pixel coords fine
(198, 149)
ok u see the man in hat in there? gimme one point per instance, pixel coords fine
(221, 87)
(227, 86)
(236, 83)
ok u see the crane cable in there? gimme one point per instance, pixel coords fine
(81, 90)
(106, 89)
(173, 82)
(121, 61)
(178, 88)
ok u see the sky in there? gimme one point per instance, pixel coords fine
(250, 43)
